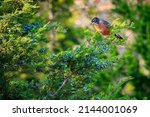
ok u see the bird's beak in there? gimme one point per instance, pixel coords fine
(92, 23)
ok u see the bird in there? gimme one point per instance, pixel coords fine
(103, 27)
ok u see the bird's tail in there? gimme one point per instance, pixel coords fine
(118, 36)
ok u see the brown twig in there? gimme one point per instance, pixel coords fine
(64, 83)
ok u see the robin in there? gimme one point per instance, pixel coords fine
(103, 27)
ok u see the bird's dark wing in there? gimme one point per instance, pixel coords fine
(105, 22)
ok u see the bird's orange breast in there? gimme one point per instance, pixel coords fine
(101, 28)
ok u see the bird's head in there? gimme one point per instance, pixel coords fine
(96, 20)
